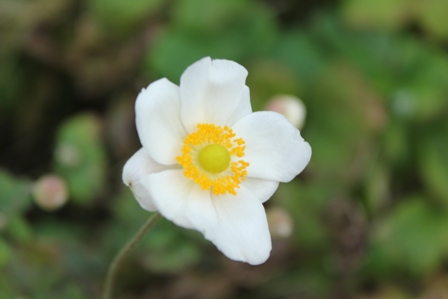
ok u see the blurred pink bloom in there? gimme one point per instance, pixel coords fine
(50, 192)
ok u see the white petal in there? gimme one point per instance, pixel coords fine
(244, 108)
(261, 189)
(211, 91)
(237, 225)
(139, 165)
(242, 233)
(158, 121)
(181, 200)
(274, 147)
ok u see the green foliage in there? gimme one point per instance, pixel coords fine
(433, 160)
(304, 202)
(387, 14)
(171, 250)
(432, 16)
(396, 14)
(297, 51)
(411, 238)
(122, 17)
(5, 252)
(270, 78)
(80, 157)
(9, 91)
(210, 28)
(19, 229)
(14, 194)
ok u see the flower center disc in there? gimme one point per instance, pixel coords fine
(214, 158)
(211, 157)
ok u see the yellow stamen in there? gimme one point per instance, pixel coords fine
(210, 158)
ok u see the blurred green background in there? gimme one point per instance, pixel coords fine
(369, 215)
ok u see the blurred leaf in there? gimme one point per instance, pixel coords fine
(422, 90)
(306, 204)
(19, 229)
(432, 15)
(209, 16)
(433, 161)
(14, 194)
(378, 187)
(126, 209)
(57, 232)
(80, 157)
(10, 89)
(167, 248)
(346, 112)
(170, 249)
(119, 17)
(383, 14)
(6, 289)
(388, 61)
(299, 52)
(309, 282)
(269, 78)
(389, 292)
(371, 52)
(234, 33)
(165, 60)
(73, 291)
(5, 252)
(411, 238)
(396, 144)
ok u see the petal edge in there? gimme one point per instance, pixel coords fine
(158, 121)
(274, 147)
(139, 165)
(210, 91)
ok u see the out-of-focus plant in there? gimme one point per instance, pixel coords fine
(80, 157)
(372, 75)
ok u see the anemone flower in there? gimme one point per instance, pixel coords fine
(208, 162)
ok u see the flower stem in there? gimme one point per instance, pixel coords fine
(112, 272)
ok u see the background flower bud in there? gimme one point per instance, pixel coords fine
(289, 106)
(50, 192)
(280, 222)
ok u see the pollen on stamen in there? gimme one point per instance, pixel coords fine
(219, 183)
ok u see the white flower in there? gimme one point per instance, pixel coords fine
(208, 163)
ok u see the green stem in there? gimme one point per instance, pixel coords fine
(112, 272)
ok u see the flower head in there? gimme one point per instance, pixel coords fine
(207, 162)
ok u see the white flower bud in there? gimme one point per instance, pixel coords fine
(50, 192)
(280, 222)
(289, 106)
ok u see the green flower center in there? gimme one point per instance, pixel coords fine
(214, 158)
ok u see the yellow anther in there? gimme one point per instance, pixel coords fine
(210, 158)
